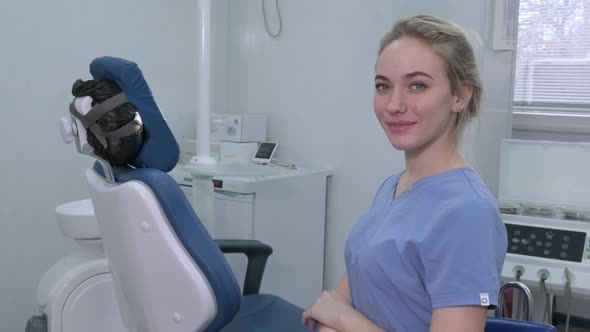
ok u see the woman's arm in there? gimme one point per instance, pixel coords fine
(331, 311)
(334, 312)
(458, 319)
(324, 328)
(459, 270)
(358, 322)
(343, 288)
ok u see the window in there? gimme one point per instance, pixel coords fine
(552, 75)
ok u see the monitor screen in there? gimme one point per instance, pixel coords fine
(265, 150)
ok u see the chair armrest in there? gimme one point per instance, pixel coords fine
(257, 254)
(495, 324)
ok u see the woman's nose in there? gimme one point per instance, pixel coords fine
(396, 103)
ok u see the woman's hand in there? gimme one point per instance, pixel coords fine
(328, 310)
(324, 328)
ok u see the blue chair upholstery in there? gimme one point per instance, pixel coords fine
(159, 154)
(263, 312)
(510, 325)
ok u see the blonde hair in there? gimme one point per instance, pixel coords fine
(449, 42)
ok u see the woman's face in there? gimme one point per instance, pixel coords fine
(413, 99)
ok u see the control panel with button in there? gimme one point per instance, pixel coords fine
(547, 243)
(547, 216)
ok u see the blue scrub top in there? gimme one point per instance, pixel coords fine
(440, 244)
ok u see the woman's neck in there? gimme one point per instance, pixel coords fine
(438, 157)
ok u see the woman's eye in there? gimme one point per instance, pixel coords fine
(417, 87)
(381, 86)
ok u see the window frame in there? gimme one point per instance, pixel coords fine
(551, 122)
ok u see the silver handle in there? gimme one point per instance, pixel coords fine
(527, 303)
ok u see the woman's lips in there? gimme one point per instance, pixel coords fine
(399, 126)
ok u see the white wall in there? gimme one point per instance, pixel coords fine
(315, 82)
(46, 45)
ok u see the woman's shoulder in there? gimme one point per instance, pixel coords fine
(469, 196)
(461, 193)
(464, 185)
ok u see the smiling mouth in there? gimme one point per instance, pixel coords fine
(399, 126)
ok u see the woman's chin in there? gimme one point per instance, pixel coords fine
(402, 145)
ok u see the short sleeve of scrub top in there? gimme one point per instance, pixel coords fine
(440, 244)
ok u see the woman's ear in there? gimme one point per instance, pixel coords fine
(462, 98)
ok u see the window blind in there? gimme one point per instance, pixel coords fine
(553, 56)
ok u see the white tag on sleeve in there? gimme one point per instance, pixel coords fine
(484, 299)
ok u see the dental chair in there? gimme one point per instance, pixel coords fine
(168, 274)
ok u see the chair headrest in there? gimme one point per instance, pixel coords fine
(160, 149)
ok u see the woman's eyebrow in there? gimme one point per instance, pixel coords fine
(417, 73)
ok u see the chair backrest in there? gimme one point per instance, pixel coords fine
(160, 149)
(496, 324)
(168, 273)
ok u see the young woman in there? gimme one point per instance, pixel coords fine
(428, 254)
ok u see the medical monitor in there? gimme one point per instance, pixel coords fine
(265, 152)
